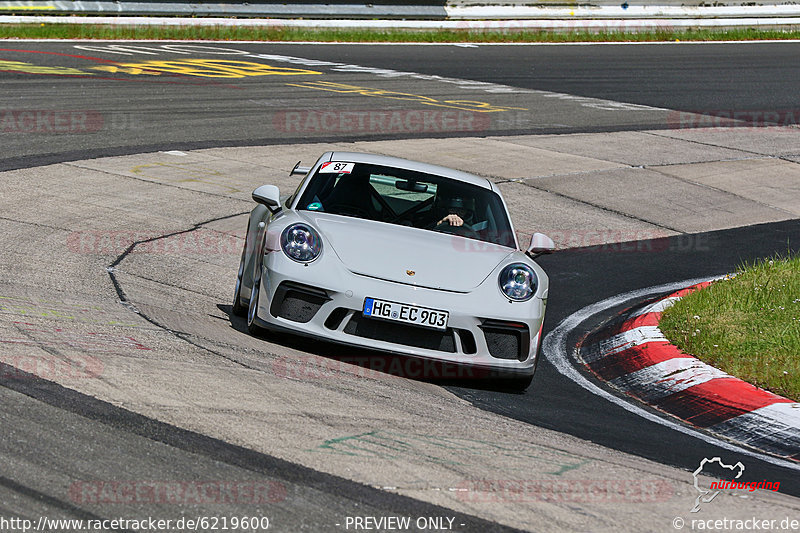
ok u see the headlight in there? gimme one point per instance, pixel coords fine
(301, 243)
(518, 282)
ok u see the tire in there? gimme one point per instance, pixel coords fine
(252, 309)
(255, 292)
(237, 308)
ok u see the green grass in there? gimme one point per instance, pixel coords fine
(226, 33)
(747, 326)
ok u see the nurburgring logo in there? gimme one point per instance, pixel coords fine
(727, 476)
(708, 495)
(703, 496)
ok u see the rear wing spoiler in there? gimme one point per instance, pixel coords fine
(299, 171)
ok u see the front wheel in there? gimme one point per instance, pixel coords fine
(255, 292)
(237, 308)
(252, 310)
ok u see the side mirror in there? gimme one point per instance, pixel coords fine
(269, 195)
(540, 244)
(299, 171)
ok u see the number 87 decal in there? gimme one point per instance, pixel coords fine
(336, 167)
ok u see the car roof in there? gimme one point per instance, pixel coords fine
(407, 164)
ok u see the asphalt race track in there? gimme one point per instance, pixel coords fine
(215, 111)
(129, 390)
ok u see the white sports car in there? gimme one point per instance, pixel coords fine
(396, 256)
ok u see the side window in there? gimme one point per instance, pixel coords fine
(290, 200)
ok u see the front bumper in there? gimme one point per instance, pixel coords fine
(325, 300)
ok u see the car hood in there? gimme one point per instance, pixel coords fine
(408, 255)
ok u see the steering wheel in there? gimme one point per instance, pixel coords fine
(463, 230)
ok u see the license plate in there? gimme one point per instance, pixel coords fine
(409, 314)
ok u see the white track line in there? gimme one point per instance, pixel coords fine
(557, 352)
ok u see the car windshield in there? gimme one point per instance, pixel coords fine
(408, 198)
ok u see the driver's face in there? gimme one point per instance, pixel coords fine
(463, 213)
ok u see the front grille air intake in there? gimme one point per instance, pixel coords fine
(506, 340)
(296, 302)
(406, 335)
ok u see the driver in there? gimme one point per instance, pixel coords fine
(460, 212)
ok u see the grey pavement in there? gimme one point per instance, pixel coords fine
(173, 354)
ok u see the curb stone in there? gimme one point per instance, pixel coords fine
(632, 355)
